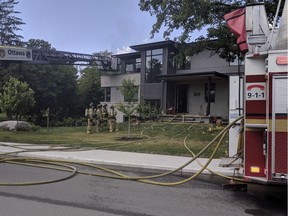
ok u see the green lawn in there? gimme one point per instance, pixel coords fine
(149, 137)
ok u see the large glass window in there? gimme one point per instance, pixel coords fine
(171, 57)
(107, 92)
(154, 61)
(138, 65)
(129, 67)
(211, 92)
(133, 65)
(184, 63)
(118, 64)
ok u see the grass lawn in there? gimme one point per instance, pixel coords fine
(148, 137)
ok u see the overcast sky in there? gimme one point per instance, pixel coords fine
(86, 26)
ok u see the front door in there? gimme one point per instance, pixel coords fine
(181, 98)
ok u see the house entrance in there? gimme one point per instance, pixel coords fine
(181, 98)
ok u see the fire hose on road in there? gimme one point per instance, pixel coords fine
(67, 166)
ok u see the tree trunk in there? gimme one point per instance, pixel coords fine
(9, 116)
(129, 125)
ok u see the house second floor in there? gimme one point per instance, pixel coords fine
(150, 61)
(197, 84)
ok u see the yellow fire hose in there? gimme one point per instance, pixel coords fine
(62, 165)
(72, 169)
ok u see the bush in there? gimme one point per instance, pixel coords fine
(147, 111)
(34, 128)
(69, 121)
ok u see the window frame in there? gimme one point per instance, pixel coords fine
(212, 95)
(149, 56)
(107, 94)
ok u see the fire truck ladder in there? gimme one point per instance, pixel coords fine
(42, 56)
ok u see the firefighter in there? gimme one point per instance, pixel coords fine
(105, 115)
(90, 116)
(99, 118)
(112, 119)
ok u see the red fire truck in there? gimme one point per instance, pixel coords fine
(265, 92)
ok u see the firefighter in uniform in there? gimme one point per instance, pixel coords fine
(105, 115)
(99, 120)
(112, 119)
(90, 116)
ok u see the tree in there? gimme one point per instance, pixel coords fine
(54, 86)
(9, 24)
(128, 89)
(17, 98)
(39, 44)
(189, 16)
(89, 88)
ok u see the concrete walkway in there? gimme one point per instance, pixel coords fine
(122, 159)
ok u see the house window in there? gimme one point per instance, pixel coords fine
(171, 57)
(184, 63)
(212, 92)
(138, 65)
(133, 65)
(118, 64)
(187, 63)
(129, 66)
(107, 94)
(154, 60)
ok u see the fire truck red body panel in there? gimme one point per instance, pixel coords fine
(265, 92)
(265, 132)
(255, 114)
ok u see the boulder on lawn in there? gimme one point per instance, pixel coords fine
(11, 125)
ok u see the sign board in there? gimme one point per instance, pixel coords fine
(15, 53)
(256, 91)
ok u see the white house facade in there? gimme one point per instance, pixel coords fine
(199, 85)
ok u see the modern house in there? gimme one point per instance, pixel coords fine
(198, 85)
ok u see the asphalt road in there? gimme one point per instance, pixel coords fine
(88, 195)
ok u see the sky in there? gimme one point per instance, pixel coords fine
(86, 26)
